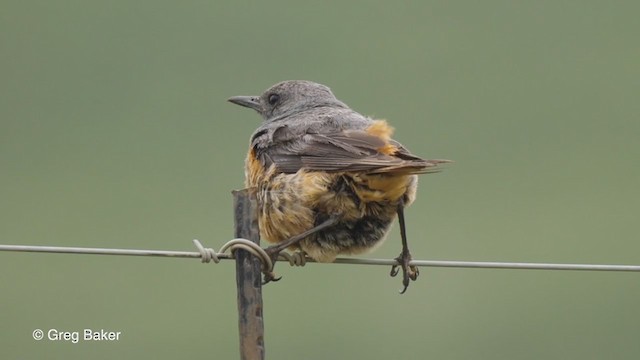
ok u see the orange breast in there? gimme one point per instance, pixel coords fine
(254, 171)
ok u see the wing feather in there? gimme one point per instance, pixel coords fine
(349, 150)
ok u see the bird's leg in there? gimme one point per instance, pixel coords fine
(409, 272)
(275, 250)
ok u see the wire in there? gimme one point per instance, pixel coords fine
(207, 255)
(493, 265)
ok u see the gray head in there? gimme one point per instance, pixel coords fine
(289, 97)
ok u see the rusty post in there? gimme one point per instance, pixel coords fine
(248, 277)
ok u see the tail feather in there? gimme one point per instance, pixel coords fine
(411, 167)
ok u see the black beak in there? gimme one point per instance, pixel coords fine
(252, 102)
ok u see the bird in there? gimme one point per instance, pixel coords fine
(329, 180)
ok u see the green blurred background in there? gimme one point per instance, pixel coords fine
(114, 132)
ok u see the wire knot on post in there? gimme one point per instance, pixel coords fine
(208, 254)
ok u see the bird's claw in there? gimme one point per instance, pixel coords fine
(409, 272)
(269, 275)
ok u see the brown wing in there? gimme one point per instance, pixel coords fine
(350, 150)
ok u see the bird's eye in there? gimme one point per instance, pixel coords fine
(273, 99)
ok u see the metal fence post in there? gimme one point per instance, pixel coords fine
(248, 277)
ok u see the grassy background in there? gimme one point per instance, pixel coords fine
(114, 132)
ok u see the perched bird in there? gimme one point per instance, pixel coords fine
(329, 180)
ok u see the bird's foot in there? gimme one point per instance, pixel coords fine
(275, 250)
(409, 272)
